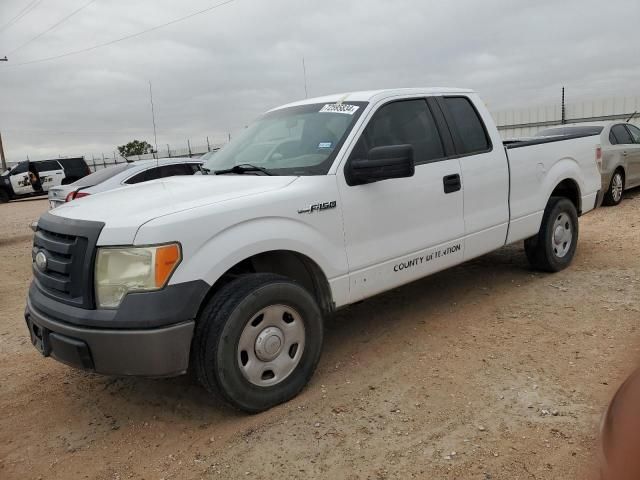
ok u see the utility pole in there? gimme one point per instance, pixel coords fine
(153, 118)
(564, 118)
(304, 72)
(2, 159)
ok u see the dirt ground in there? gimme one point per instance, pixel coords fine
(485, 371)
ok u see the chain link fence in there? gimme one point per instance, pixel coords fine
(105, 160)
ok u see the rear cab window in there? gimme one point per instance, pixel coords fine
(469, 131)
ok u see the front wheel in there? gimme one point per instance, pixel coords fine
(4, 196)
(258, 341)
(553, 248)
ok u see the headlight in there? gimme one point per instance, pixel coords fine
(133, 269)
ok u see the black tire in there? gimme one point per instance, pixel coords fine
(215, 354)
(546, 251)
(4, 196)
(612, 199)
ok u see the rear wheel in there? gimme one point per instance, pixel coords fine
(258, 341)
(4, 196)
(614, 195)
(553, 248)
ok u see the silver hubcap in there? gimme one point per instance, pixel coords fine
(271, 345)
(616, 187)
(562, 235)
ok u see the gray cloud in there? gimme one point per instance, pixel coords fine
(214, 73)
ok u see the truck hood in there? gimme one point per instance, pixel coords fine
(124, 210)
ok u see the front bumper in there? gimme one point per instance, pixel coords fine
(154, 352)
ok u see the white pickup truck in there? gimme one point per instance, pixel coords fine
(317, 205)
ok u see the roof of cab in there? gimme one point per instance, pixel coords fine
(372, 95)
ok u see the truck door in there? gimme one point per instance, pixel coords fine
(51, 173)
(402, 229)
(485, 174)
(633, 157)
(20, 182)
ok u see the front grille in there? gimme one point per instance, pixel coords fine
(69, 248)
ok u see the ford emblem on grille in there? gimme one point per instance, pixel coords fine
(41, 261)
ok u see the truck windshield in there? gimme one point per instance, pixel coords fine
(301, 140)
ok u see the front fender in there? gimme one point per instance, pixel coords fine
(228, 247)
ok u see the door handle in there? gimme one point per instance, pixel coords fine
(624, 154)
(451, 183)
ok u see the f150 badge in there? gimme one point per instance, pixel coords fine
(318, 207)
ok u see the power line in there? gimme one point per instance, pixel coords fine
(24, 12)
(52, 26)
(127, 37)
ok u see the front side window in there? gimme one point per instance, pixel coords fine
(469, 125)
(635, 133)
(302, 140)
(621, 135)
(407, 122)
(22, 167)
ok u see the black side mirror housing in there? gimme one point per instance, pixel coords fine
(383, 163)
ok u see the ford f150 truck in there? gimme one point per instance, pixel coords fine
(317, 205)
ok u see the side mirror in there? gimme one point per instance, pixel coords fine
(393, 161)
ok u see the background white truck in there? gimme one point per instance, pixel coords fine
(317, 205)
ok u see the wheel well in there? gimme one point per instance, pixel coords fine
(620, 169)
(293, 265)
(569, 189)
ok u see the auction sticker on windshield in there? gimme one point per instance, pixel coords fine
(339, 108)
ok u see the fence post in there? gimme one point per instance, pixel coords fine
(208, 146)
(168, 150)
(189, 146)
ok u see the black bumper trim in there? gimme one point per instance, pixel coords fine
(157, 352)
(174, 303)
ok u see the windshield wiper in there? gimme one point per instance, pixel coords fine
(243, 168)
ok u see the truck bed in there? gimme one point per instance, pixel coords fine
(549, 161)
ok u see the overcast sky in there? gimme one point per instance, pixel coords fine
(215, 72)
